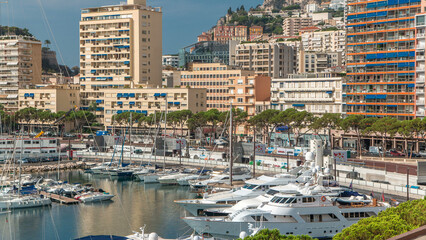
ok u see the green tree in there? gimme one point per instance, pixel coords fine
(47, 43)
(285, 118)
(357, 124)
(274, 234)
(301, 124)
(264, 120)
(385, 127)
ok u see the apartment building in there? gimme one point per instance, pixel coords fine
(120, 47)
(420, 64)
(204, 37)
(20, 67)
(207, 52)
(170, 78)
(150, 100)
(215, 78)
(255, 32)
(381, 59)
(317, 93)
(270, 59)
(224, 33)
(54, 98)
(170, 60)
(324, 41)
(291, 26)
(317, 62)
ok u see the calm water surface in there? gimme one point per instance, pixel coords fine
(134, 205)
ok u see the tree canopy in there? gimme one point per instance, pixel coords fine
(266, 234)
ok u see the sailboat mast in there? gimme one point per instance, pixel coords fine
(230, 144)
(130, 138)
(165, 130)
(20, 163)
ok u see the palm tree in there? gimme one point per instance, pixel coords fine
(47, 43)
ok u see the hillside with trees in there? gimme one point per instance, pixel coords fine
(5, 30)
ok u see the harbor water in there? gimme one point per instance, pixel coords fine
(135, 204)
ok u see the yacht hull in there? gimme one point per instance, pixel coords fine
(197, 208)
(24, 203)
(225, 229)
(151, 178)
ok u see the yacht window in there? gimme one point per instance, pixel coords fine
(308, 199)
(271, 192)
(292, 200)
(259, 218)
(250, 186)
(283, 200)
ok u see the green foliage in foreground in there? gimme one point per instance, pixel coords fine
(392, 222)
(266, 234)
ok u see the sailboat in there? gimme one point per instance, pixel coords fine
(11, 200)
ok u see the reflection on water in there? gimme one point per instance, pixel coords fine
(134, 205)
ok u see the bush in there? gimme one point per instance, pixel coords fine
(392, 222)
(266, 234)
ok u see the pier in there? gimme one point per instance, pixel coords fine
(60, 199)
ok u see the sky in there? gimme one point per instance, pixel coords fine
(183, 20)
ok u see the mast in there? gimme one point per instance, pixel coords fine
(254, 151)
(20, 162)
(164, 139)
(230, 144)
(59, 156)
(130, 137)
(154, 146)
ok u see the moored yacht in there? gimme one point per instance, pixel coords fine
(319, 216)
(17, 202)
(251, 189)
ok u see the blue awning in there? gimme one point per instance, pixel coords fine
(145, 112)
(170, 102)
(26, 95)
(120, 103)
(329, 92)
(119, 95)
(99, 101)
(119, 111)
(131, 103)
(31, 94)
(381, 96)
(411, 85)
(132, 95)
(392, 105)
(125, 95)
(163, 94)
(126, 62)
(156, 94)
(298, 105)
(274, 104)
(370, 97)
(176, 103)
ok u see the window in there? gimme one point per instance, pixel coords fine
(27, 142)
(52, 141)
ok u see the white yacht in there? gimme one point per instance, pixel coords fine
(141, 173)
(184, 181)
(171, 179)
(319, 216)
(94, 197)
(238, 174)
(16, 202)
(251, 189)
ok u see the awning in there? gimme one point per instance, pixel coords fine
(11, 96)
(119, 95)
(298, 105)
(99, 101)
(163, 94)
(131, 103)
(176, 103)
(120, 103)
(119, 111)
(370, 97)
(125, 95)
(392, 106)
(31, 94)
(132, 95)
(170, 102)
(156, 94)
(411, 85)
(329, 92)
(26, 95)
(381, 96)
(145, 112)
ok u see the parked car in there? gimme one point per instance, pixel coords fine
(422, 153)
(395, 153)
(90, 136)
(24, 160)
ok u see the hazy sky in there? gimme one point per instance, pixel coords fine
(183, 20)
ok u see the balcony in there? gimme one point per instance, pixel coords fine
(420, 102)
(420, 58)
(420, 113)
(420, 35)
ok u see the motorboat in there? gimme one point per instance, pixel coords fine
(94, 197)
(319, 216)
(251, 189)
(201, 175)
(171, 179)
(141, 173)
(238, 174)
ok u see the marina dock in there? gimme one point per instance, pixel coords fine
(60, 199)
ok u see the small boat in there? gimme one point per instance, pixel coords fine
(171, 179)
(142, 173)
(94, 197)
(17, 202)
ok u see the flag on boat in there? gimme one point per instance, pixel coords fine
(383, 196)
(372, 194)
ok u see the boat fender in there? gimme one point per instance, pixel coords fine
(243, 235)
(153, 236)
(323, 198)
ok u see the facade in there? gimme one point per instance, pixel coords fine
(325, 41)
(120, 47)
(381, 59)
(170, 60)
(317, 62)
(246, 91)
(171, 78)
(224, 33)
(204, 37)
(255, 32)
(420, 65)
(291, 26)
(20, 67)
(206, 52)
(49, 57)
(54, 98)
(270, 59)
(317, 93)
(150, 100)
(215, 78)
(312, 7)
(320, 17)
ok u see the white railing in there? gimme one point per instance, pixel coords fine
(400, 190)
